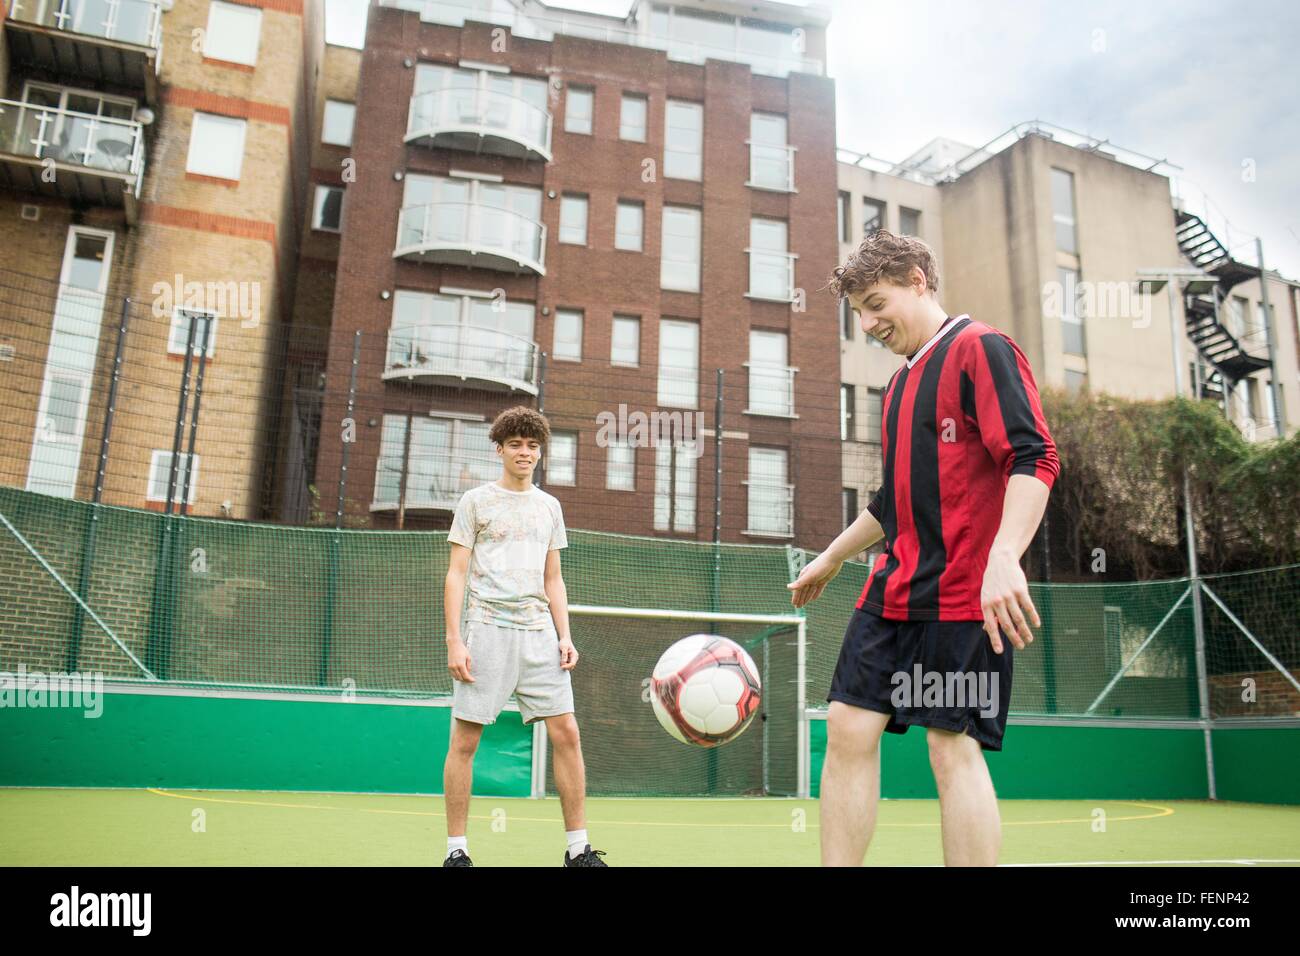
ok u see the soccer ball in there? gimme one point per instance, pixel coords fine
(705, 690)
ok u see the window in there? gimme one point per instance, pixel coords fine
(443, 458)
(629, 225)
(847, 402)
(434, 212)
(846, 320)
(327, 211)
(573, 220)
(632, 119)
(909, 221)
(1075, 381)
(562, 458)
(1072, 338)
(842, 210)
(675, 486)
(233, 32)
(339, 117)
(849, 499)
(1063, 210)
(679, 363)
(180, 330)
(679, 262)
(451, 97)
(620, 467)
(771, 380)
(625, 347)
(875, 413)
(873, 216)
(1237, 309)
(771, 161)
(683, 140)
(216, 146)
(568, 335)
(1262, 322)
(160, 464)
(577, 110)
(1252, 398)
(771, 498)
(771, 268)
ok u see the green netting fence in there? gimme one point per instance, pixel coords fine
(204, 602)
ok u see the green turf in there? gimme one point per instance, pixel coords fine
(65, 827)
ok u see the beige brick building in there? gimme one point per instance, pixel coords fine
(155, 151)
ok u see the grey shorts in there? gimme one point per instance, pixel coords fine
(511, 660)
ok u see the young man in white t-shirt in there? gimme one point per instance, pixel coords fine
(505, 542)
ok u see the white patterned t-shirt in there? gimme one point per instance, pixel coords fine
(509, 534)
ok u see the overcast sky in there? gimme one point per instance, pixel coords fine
(1209, 85)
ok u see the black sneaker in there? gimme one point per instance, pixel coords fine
(587, 857)
(461, 858)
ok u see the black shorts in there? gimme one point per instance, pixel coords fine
(941, 674)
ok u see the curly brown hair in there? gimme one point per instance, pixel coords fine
(522, 421)
(884, 256)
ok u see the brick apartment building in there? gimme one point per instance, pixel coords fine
(553, 210)
(152, 150)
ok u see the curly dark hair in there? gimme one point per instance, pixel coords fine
(884, 256)
(522, 421)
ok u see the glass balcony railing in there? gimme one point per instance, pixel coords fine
(501, 122)
(128, 21)
(771, 275)
(470, 353)
(771, 167)
(79, 139)
(478, 234)
(771, 389)
(768, 61)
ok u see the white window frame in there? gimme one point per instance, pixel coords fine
(630, 132)
(783, 488)
(230, 27)
(156, 460)
(570, 205)
(571, 460)
(676, 480)
(620, 466)
(203, 159)
(178, 331)
(671, 387)
(349, 119)
(555, 347)
(318, 206)
(585, 124)
(613, 341)
(628, 207)
(1061, 218)
(690, 163)
(670, 260)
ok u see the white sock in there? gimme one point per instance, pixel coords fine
(457, 843)
(577, 840)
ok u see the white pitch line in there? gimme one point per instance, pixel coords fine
(1151, 862)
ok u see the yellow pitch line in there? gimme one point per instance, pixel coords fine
(1163, 812)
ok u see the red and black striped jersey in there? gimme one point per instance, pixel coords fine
(959, 420)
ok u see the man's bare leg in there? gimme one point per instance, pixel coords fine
(968, 807)
(458, 774)
(570, 774)
(850, 789)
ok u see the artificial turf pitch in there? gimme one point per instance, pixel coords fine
(71, 827)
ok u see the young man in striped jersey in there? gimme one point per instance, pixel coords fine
(968, 464)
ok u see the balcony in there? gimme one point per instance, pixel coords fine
(118, 42)
(480, 121)
(771, 390)
(96, 159)
(455, 354)
(771, 167)
(771, 509)
(471, 234)
(432, 484)
(771, 275)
